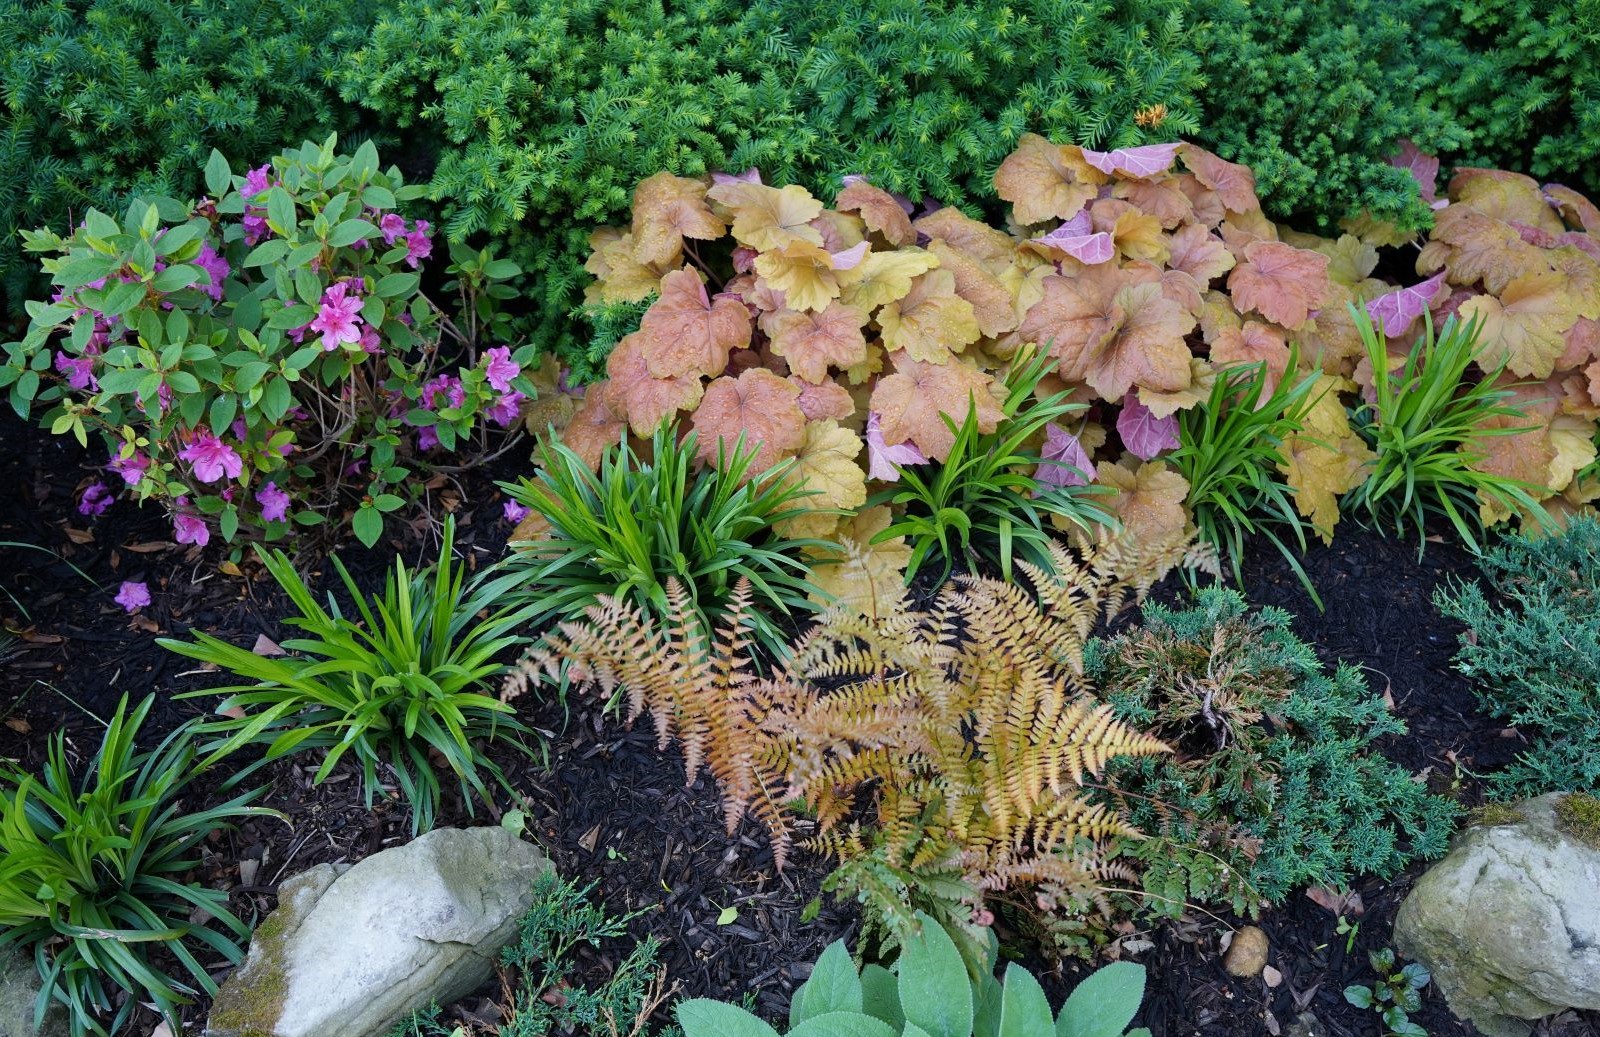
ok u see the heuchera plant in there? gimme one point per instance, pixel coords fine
(844, 337)
(266, 358)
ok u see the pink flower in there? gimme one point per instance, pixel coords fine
(417, 244)
(216, 269)
(133, 595)
(393, 227)
(130, 468)
(190, 529)
(449, 386)
(1063, 461)
(370, 343)
(499, 368)
(274, 502)
(258, 181)
(255, 226)
(515, 512)
(338, 320)
(79, 371)
(96, 499)
(427, 438)
(504, 411)
(212, 458)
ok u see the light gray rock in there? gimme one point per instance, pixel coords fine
(19, 986)
(351, 949)
(1509, 922)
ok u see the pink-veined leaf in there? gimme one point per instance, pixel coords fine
(850, 258)
(882, 458)
(1141, 162)
(851, 179)
(1063, 461)
(1142, 432)
(1394, 312)
(749, 176)
(1424, 169)
(1078, 239)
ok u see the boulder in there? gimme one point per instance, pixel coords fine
(352, 949)
(1509, 921)
(19, 986)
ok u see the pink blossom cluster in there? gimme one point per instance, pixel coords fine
(414, 238)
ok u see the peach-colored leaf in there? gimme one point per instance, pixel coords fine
(993, 248)
(1045, 181)
(931, 322)
(619, 276)
(1198, 253)
(1149, 500)
(1578, 212)
(883, 277)
(667, 209)
(1280, 282)
(1253, 343)
(813, 341)
(686, 332)
(636, 394)
(826, 467)
(826, 399)
(806, 274)
(758, 405)
(911, 402)
(1526, 325)
(1076, 315)
(595, 427)
(1504, 195)
(1147, 351)
(992, 302)
(1235, 184)
(879, 210)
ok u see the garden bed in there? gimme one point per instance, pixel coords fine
(612, 809)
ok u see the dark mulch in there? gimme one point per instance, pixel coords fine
(611, 809)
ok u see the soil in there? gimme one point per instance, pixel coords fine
(611, 809)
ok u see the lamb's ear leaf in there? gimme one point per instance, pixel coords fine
(935, 993)
(843, 1024)
(1104, 1004)
(702, 1017)
(880, 995)
(833, 986)
(1024, 1010)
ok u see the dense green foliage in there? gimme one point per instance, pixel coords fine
(1523, 79)
(103, 97)
(397, 688)
(544, 117)
(1277, 784)
(1534, 653)
(96, 877)
(1316, 97)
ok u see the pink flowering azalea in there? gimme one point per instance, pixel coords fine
(882, 458)
(417, 244)
(255, 226)
(339, 319)
(370, 343)
(190, 529)
(515, 512)
(274, 503)
(258, 181)
(216, 268)
(131, 468)
(393, 227)
(96, 499)
(133, 595)
(79, 371)
(212, 458)
(504, 411)
(427, 438)
(499, 368)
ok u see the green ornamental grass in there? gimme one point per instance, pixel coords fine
(627, 529)
(96, 878)
(1429, 424)
(1230, 449)
(399, 682)
(989, 501)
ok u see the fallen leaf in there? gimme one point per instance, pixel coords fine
(19, 725)
(247, 871)
(80, 536)
(266, 647)
(1272, 976)
(589, 838)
